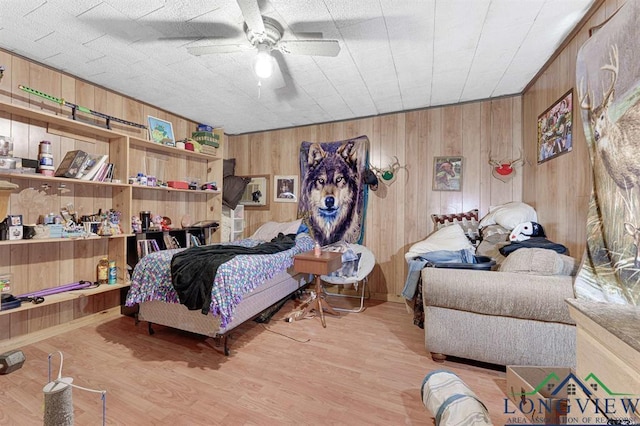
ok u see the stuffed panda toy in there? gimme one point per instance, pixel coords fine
(526, 230)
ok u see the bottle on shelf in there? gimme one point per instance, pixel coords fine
(103, 271)
(45, 159)
(113, 272)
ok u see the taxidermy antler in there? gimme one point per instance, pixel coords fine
(504, 170)
(389, 174)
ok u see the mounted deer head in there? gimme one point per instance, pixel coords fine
(504, 170)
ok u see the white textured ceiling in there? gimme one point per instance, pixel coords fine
(395, 55)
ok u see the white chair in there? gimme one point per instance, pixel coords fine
(365, 266)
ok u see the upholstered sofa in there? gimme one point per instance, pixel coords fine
(515, 315)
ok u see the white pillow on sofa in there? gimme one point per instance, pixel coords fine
(270, 230)
(509, 215)
(450, 238)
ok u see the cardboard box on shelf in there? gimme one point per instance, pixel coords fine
(551, 395)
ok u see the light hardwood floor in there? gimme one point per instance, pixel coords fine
(363, 369)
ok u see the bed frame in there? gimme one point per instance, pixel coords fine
(177, 316)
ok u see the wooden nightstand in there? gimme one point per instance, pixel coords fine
(323, 264)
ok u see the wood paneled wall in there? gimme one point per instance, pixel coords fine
(399, 215)
(560, 188)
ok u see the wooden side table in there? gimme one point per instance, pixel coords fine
(325, 263)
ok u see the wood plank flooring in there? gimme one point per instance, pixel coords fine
(363, 369)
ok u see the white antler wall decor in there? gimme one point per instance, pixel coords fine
(504, 170)
(389, 174)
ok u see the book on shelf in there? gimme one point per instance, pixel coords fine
(147, 246)
(108, 173)
(193, 241)
(101, 175)
(94, 166)
(72, 163)
(170, 242)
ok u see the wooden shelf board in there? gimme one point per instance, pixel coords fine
(74, 126)
(63, 297)
(169, 149)
(37, 176)
(164, 188)
(59, 240)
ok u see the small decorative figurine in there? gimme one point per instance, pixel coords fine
(136, 224)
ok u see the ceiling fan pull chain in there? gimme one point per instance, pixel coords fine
(259, 87)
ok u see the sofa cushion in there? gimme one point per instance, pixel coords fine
(509, 294)
(538, 261)
(447, 238)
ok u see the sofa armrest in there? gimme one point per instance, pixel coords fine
(508, 294)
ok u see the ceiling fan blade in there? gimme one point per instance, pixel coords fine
(217, 48)
(252, 17)
(310, 47)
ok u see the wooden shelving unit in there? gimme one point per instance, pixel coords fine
(37, 264)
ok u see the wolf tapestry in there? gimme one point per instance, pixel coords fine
(608, 79)
(333, 194)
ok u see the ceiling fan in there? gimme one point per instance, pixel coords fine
(265, 35)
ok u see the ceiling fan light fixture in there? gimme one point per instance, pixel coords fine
(263, 63)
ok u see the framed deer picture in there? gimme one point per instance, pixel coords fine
(554, 129)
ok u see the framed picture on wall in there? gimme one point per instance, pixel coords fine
(256, 194)
(285, 189)
(555, 129)
(447, 173)
(161, 131)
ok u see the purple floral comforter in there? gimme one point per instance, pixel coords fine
(151, 279)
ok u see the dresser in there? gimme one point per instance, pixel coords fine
(608, 347)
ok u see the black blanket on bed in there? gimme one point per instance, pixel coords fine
(194, 269)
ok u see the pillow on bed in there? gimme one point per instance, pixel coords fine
(270, 230)
(509, 215)
(450, 238)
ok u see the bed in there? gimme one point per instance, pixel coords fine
(243, 287)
